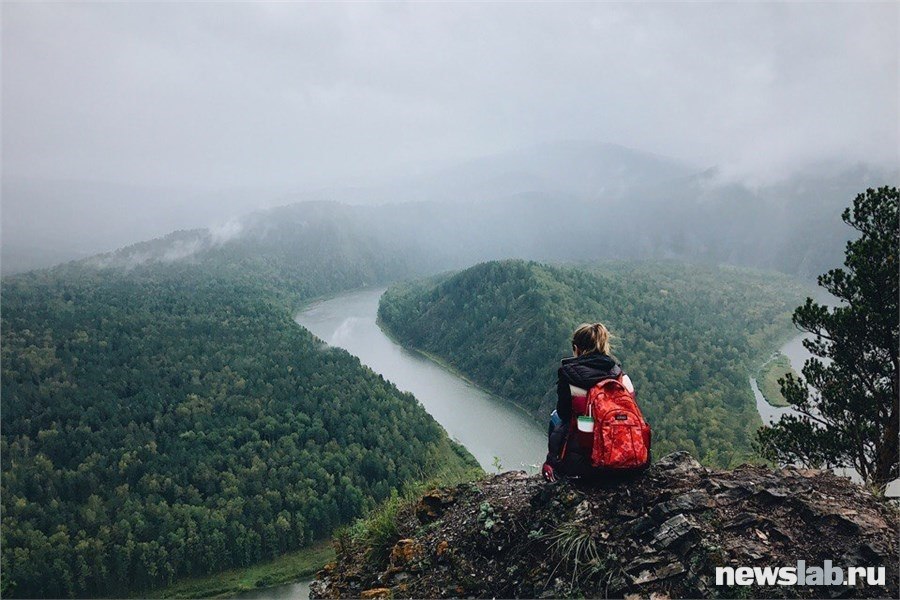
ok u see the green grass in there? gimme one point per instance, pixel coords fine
(378, 531)
(768, 377)
(287, 568)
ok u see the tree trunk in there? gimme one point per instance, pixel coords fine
(889, 456)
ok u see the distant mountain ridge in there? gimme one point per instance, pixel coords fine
(570, 168)
(557, 201)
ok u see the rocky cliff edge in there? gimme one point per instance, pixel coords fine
(661, 534)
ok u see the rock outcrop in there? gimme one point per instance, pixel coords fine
(657, 535)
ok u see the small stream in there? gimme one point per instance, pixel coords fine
(798, 355)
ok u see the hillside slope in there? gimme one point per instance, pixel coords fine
(164, 418)
(686, 335)
(661, 535)
(304, 250)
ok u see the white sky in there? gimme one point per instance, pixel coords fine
(253, 94)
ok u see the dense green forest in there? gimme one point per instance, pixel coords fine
(687, 335)
(167, 418)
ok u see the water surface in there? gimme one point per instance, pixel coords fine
(487, 426)
(798, 355)
(293, 591)
(492, 430)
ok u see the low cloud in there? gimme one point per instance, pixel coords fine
(219, 95)
(180, 246)
(182, 249)
(225, 232)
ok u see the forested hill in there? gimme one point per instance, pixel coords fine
(302, 250)
(686, 335)
(164, 416)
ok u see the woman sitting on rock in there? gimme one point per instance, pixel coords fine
(570, 443)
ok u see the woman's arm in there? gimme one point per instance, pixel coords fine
(563, 397)
(557, 435)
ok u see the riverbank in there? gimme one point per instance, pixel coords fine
(767, 378)
(288, 568)
(443, 364)
(487, 426)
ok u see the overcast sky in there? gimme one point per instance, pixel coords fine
(250, 94)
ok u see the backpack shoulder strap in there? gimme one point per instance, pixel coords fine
(610, 381)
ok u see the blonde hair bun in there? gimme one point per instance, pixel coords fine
(591, 337)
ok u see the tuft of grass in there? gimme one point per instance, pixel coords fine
(574, 544)
(377, 532)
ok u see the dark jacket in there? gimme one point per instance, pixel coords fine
(582, 372)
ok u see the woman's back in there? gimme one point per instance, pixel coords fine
(569, 450)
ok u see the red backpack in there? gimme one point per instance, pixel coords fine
(620, 439)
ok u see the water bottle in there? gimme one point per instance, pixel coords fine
(554, 419)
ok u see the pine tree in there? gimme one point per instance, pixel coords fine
(847, 400)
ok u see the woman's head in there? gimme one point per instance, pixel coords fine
(591, 337)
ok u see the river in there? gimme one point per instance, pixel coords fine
(490, 429)
(292, 591)
(797, 355)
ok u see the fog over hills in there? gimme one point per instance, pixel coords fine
(559, 201)
(578, 168)
(125, 122)
(46, 222)
(793, 226)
